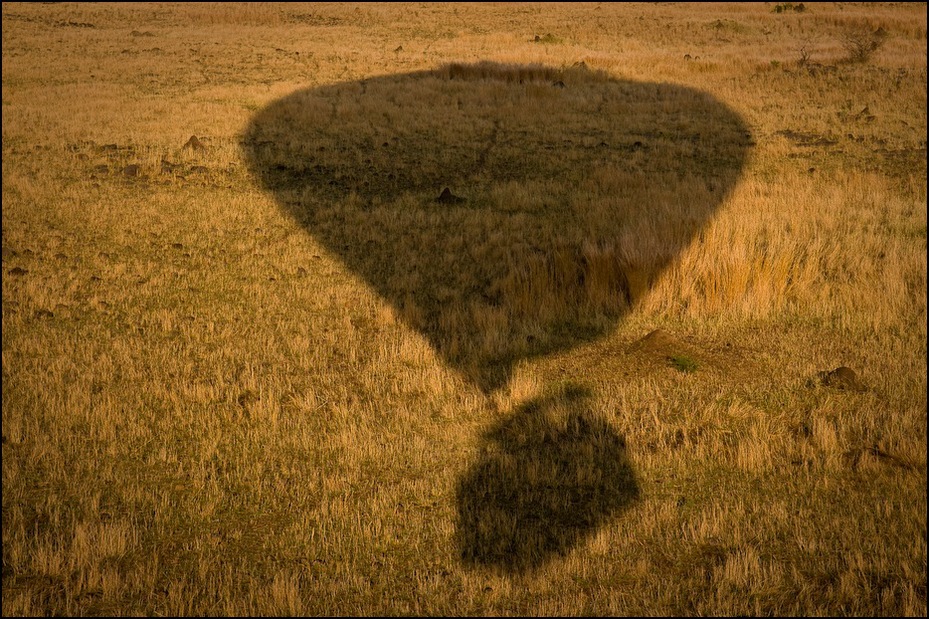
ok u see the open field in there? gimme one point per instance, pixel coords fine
(257, 361)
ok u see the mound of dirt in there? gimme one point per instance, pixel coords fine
(658, 341)
(660, 347)
(843, 378)
(194, 144)
(862, 458)
(447, 197)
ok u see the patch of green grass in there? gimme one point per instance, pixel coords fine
(683, 363)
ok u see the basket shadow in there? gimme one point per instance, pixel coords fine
(504, 211)
(549, 476)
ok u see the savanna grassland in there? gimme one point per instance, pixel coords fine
(464, 309)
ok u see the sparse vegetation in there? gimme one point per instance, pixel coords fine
(789, 7)
(805, 53)
(547, 38)
(258, 361)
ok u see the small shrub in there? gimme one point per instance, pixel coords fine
(860, 44)
(804, 54)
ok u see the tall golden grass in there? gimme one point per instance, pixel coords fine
(225, 393)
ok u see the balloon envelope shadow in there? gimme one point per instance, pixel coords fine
(504, 211)
(550, 475)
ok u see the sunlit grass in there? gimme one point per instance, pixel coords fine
(215, 405)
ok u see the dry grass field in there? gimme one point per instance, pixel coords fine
(464, 309)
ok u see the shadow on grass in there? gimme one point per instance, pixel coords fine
(506, 212)
(550, 475)
(568, 193)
